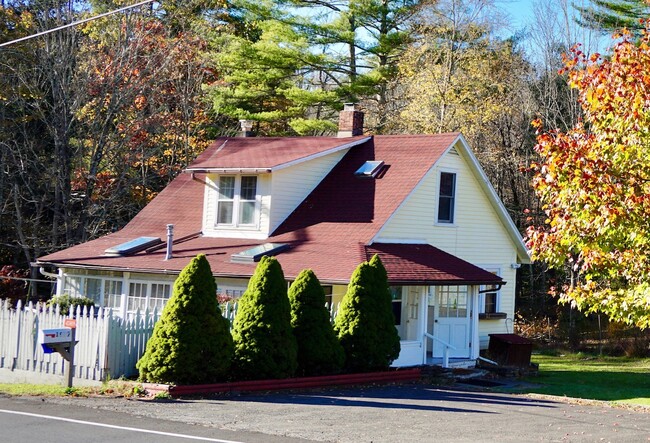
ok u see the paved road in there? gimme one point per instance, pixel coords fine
(408, 413)
(38, 420)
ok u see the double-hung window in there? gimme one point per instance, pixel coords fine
(237, 200)
(446, 197)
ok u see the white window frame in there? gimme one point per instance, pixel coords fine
(454, 199)
(118, 295)
(231, 291)
(237, 203)
(147, 302)
(445, 292)
(75, 285)
(482, 295)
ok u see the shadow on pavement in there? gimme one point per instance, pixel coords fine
(406, 397)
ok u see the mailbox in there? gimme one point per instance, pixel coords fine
(51, 339)
(61, 340)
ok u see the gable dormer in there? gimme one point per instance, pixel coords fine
(252, 184)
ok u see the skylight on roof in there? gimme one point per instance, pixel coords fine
(133, 246)
(370, 169)
(255, 254)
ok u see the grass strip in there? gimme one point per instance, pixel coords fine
(613, 379)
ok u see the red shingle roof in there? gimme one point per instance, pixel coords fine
(328, 232)
(409, 263)
(264, 153)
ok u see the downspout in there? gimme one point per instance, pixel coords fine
(48, 274)
(58, 277)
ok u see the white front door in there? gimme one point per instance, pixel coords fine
(451, 322)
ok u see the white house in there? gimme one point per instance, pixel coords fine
(422, 202)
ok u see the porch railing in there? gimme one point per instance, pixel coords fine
(445, 349)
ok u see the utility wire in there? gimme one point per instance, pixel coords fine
(86, 20)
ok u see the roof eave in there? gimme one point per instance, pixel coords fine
(63, 264)
(228, 170)
(426, 282)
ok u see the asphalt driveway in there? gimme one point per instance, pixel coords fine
(401, 413)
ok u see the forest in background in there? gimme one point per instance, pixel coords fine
(96, 119)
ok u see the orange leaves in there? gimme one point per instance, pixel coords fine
(594, 183)
(140, 102)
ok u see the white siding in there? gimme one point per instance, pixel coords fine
(293, 184)
(288, 187)
(210, 210)
(477, 235)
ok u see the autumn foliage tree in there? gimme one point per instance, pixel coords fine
(143, 117)
(594, 184)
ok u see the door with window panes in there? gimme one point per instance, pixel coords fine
(452, 320)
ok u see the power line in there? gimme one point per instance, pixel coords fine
(6, 277)
(86, 20)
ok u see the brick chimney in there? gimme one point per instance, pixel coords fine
(350, 121)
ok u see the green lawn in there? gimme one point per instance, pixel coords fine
(121, 388)
(615, 379)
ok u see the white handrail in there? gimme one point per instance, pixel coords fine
(445, 349)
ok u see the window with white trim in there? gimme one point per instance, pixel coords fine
(113, 294)
(105, 292)
(108, 291)
(147, 296)
(446, 197)
(396, 298)
(230, 292)
(490, 298)
(453, 301)
(237, 201)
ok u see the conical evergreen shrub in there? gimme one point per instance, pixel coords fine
(265, 346)
(191, 343)
(319, 351)
(365, 323)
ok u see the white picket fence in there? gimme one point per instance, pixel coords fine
(108, 346)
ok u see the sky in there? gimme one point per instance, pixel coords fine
(522, 16)
(521, 11)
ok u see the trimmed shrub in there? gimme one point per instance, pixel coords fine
(265, 346)
(365, 322)
(67, 302)
(191, 343)
(319, 351)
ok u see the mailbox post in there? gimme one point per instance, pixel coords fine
(61, 340)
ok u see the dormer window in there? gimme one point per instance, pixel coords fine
(237, 201)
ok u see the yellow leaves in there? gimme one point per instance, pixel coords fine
(593, 182)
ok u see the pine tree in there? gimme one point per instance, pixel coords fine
(613, 15)
(191, 343)
(365, 322)
(319, 351)
(265, 346)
